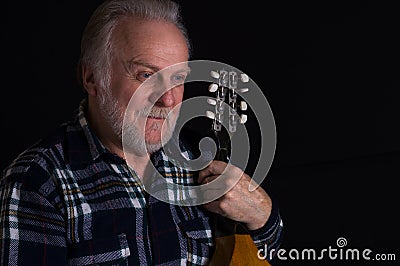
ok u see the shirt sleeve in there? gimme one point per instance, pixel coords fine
(268, 238)
(32, 229)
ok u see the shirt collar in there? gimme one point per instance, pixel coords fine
(83, 145)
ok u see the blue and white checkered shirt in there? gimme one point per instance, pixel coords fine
(68, 201)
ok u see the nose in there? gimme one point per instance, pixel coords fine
(167, 99)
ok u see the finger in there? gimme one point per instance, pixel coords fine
(209, 179)
(208, 184)
(214, 168)
(209, 170)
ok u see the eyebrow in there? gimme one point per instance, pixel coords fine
(155, 68)
(133, 62)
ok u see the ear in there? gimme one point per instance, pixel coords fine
(88, 81)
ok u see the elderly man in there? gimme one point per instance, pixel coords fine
(73, 199)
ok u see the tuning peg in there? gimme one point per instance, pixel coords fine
(213, 87)
(243, 106)
(243, 90)
(243, 118)
(211, 101)
(210, 114)
(244, 78)
(214, 74)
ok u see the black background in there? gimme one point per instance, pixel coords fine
(330, 72)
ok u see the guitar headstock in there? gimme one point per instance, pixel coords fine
(226, 91)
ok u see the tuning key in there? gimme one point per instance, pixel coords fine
(210, 114)
(243, 118)
(213, 87)
(211, 101)
(244, 78)
(243, 90)
(243, 106)
(214, 74)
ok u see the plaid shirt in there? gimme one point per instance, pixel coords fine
(68, 201)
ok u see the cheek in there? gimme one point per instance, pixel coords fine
(126, 96)
(178, 95)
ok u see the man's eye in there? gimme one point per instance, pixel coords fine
(178, 79)
(142, 76)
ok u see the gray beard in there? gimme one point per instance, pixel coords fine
(133, 137)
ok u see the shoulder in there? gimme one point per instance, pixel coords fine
(36, 163)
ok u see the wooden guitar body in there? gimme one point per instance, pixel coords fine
(236, 250)
(234, 246)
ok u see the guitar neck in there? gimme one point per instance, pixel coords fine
(234, 246)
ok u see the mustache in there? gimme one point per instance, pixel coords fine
(156, 112)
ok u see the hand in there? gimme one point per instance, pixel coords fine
(252, 208)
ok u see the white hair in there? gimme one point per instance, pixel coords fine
(96, 44)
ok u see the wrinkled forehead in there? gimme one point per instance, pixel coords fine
(137, 36)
